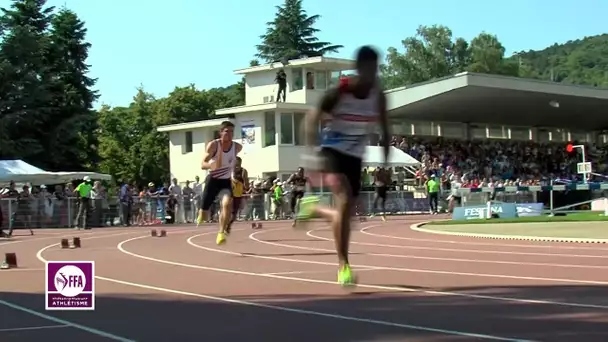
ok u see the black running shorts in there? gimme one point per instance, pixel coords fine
(334, 161)
(213, 187)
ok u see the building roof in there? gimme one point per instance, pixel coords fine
(330, 64)
(480, 98)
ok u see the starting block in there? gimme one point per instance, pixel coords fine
(362, 219)
(10, 261)
(256, 225)
(153, 232)
(163, 233)
(65, 243)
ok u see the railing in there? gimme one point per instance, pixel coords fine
(554, 197)
(62, 213)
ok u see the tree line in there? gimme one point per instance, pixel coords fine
(47, 116)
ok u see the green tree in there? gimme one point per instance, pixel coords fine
(291, 35)
(26, 99)
(432, 53)
(73, 127)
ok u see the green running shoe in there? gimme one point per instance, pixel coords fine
(307, 206)
(346, 276)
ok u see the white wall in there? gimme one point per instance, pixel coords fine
(185, 166)
(262, 84)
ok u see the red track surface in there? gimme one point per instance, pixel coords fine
(277, 284)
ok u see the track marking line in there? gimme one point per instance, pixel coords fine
(406, 256)
(67, 323)
(35, 328)
(400, 269)
(418, 227)
(317, 281)
(472, 243)
(276, 307)
(358, 269)
(475, 251)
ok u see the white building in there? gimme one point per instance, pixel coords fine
(462, 106)
(268, 130)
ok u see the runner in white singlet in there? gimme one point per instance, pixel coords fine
(354, 109)
(219, 159)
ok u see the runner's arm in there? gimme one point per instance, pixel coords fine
(239, 148)
(384, 124)
(245, 180)
(311, 121)
(209, 153)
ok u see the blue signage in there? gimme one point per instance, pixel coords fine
(529, 209)
(502, 210)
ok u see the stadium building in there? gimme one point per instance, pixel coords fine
(464, 106)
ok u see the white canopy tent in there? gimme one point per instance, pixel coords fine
(374, 157)
(22, 172)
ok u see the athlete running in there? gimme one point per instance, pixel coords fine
(298, 183)
(353, 108)
(220, 159)
(380, 181)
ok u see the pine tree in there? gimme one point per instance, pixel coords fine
(291, 35)
(74, 121)
(25, 102)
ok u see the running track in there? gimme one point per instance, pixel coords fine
(277, 284)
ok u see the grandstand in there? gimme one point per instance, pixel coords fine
(503, 133)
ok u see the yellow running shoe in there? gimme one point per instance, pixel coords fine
(221, 238)
(199, 218)
(346, 276)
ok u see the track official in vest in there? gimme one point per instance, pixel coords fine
(432, 190)
(83, 190)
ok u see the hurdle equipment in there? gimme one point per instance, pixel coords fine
(76, 242)
(153, 232)
(64, 243)
(10, 261)
(163, 233)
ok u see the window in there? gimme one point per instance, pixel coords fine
(297, 81)
(310, 80)
(518, 133)
(298, 119)
(188, 142)
(321, 80)
(334, 78)
(286, 128)
(269, 129)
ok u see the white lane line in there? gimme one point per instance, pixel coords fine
(407, 256)
(358, 269)
(415, 270)
(318, 281)
(366, 231)
(68, 323)
(64, 322)
(475, 251)
(276, 307)
(41, 327)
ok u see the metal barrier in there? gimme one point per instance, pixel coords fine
(63, 213)
(556, 198)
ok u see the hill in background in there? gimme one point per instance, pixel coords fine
(583, 61)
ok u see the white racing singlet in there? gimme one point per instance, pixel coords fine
(351, 123)
(224, 161)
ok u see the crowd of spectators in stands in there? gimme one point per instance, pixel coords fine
(499, 162)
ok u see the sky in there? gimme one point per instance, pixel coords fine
(163, 44)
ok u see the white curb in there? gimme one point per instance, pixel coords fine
(417, 227)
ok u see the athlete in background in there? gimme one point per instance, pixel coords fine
(298, 183)
(220, 159)
(240, 185)
(354, 108)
